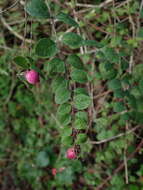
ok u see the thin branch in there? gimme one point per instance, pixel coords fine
(141, 6)
(12, 6)
(115, 137)
(5, 47)
(126, 167)
(14, 32)
(92, 6)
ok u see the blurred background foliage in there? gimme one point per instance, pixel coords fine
(32, 141)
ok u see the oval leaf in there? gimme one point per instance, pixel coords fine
(75, 61)
(79, 76)
(67, 19)
(46, 48)
(73, 40)
(38, 9)
(82, 101)
(22, 62)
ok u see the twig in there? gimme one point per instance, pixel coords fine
(12, 6)
(115, 137)
(14, 32)
(56, 120)
(141, 6)
(131, 63)
(5, 47)
(78, 30)
(122, 4)
(103, 94)
(121, 166)
(126, 167)
(92, 6)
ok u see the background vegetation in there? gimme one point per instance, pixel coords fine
(89, 55)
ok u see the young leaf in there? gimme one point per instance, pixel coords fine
(73, 40)
(64, 109)
(82, 101)
(46, 48)
(82, 115)
(81, 138)
(64, 119)
(38, 9)
(80, 124)
(119, 107)
(92, 43)
(67, 19)
(62, 95)
(114, 84)
(79, 76)
(57, 82)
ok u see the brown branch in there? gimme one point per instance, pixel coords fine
(121, 166)
(115, 137)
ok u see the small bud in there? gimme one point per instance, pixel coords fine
(71, 154)
(32, 76)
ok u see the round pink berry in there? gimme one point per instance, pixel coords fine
(71, 154)
(54, 171)
(32, 76)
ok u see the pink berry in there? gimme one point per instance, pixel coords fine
(71, 154)
(54, 171)
(32, 76)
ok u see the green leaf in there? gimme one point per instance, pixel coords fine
(110, 74)
(114, 84)
(22, 62)
(138, 71)
(79, 76)
(119, 107)
(64, 119)
(140, 33)
(73, 40)
(82, 101)
(82, 115)
(119, 93)
(66, 131)
(64, 109)
(59, 82)
(111, 55)
(66, 140)
(81, 138)
(141, 85)
(62, 95)
(56, 65)
(92, 43)
(46, 48)
(80, 124)
(67, 19)
(42, 159)
(75, 61)
(38, 9)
